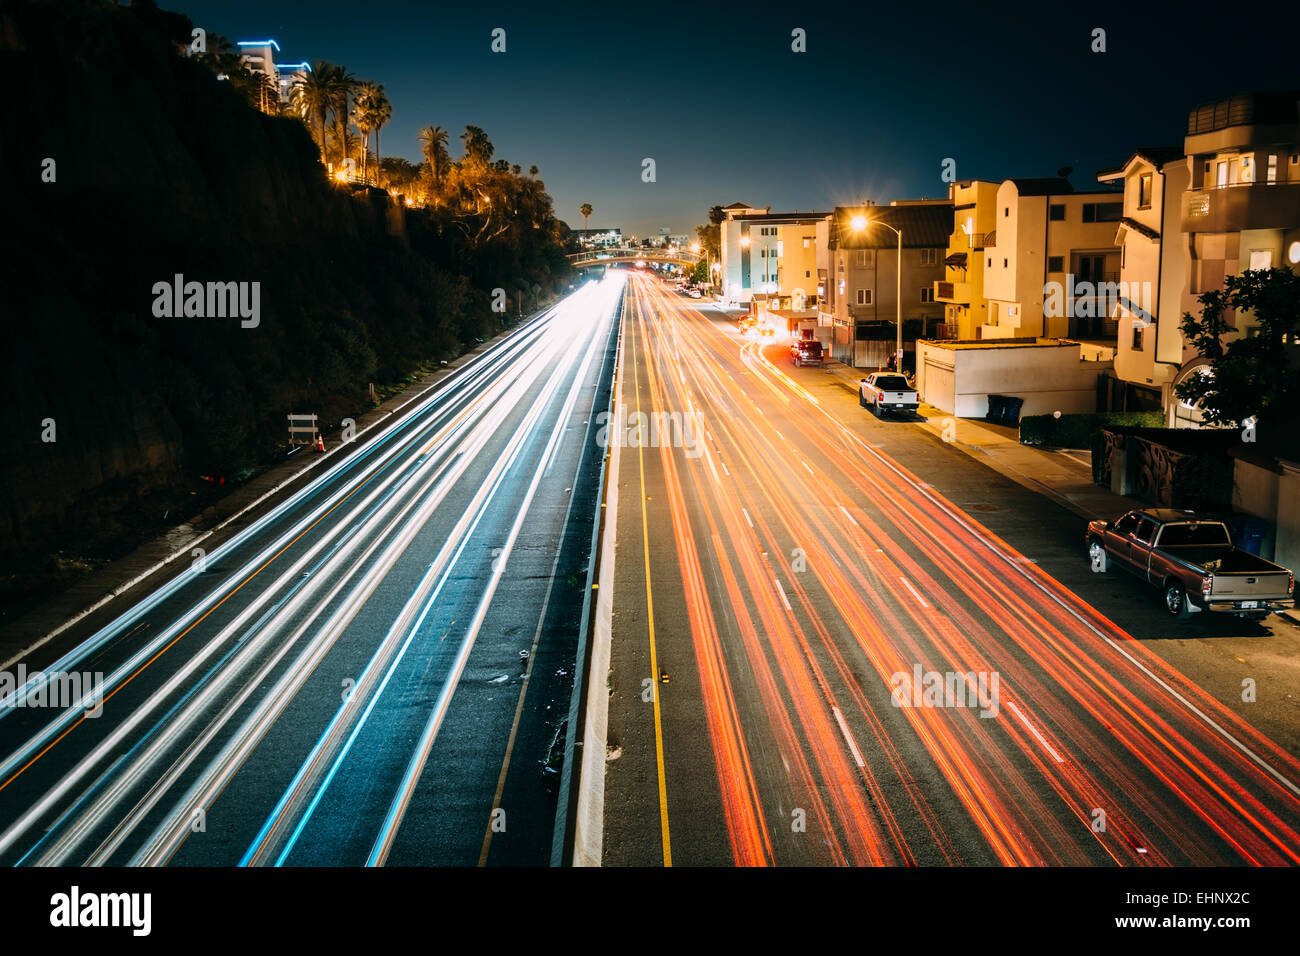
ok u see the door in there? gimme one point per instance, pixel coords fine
(1119, 538)
(1139, 552)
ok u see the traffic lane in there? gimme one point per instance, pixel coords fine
(142, 690)
(792, 788)
(343, 825)
(633, 820)
(1229, 657)
(1031, 647)
(905, 826)
(118, 703)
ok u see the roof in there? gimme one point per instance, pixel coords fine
(1139, 228)
(1051, 186)
(738, 205)
(1172, 514)
(922, 226)
(779, 216)
(1157, 156)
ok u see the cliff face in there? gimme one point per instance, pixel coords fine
(161, 169)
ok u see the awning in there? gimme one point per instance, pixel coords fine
(956, 261)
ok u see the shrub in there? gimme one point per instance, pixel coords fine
(1076, 431)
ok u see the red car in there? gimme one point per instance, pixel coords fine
(806, 352)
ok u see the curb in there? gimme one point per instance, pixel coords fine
(589, 820)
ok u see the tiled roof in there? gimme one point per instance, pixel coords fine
(927, 225)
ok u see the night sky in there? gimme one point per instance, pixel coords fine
(729, 113)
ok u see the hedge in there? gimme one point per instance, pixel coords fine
(1076, 431)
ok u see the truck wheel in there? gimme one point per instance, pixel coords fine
(1176, 602)
(1099, 558)
(862, 401)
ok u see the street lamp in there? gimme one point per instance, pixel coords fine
(859, 223)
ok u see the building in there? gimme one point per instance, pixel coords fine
(864, 276)
(1050, 262)
(961, 291)
(1241, 207)
(776, 254)
(1148, 310)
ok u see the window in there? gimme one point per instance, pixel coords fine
(1056, 212)
(1221, 175)
(1102, 211)
(807, 273)
(1137, 338)
(864, 259)
(1295, 159)
(1247, 170)
(1144, 190)
(1272, 168)
(929, 257)
(990, 262)
(1146, 531)
(1004, 263)
(864, 297)
(1006, 212)
(1056, 263)
(1126, 524)
(927, 293)
(1261, 258)
(807, 243)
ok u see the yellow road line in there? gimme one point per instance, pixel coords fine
(650, 612)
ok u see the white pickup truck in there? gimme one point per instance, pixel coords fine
(885, 392)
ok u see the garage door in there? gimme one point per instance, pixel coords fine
(938, 386)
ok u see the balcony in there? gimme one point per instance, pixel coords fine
(1242, 206)
(954, 293)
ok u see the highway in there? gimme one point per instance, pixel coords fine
(797, 599)
(376, 670)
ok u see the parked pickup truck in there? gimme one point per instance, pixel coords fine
(885, 392)
(1192, 561)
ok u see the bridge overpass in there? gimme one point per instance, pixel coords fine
(618, 255)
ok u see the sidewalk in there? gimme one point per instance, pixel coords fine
(1064, 475)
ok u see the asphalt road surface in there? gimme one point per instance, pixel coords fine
(375, 670)
(837, 640)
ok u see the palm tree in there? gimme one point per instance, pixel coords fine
(433, 143)
(312, 95)
(372, 111)
(478, 148)
(342, 84)
(585, 209)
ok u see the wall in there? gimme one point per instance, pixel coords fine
(1048, 377)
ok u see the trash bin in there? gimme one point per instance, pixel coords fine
(1249, 532)
(997, 407)
(1005, 409)
(1013, 409)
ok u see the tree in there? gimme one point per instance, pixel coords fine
(372, 111)
(433, 144)
(313, 95)
(478, 148)
(585, 209)
(1253, 376)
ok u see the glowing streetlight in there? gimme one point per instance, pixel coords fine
(744, 240)
(859, 223)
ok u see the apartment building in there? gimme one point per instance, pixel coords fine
(1147, 311)
(863, 276)
(1050, 250)
(1241, 207)
(775, 254)
(961, 291)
